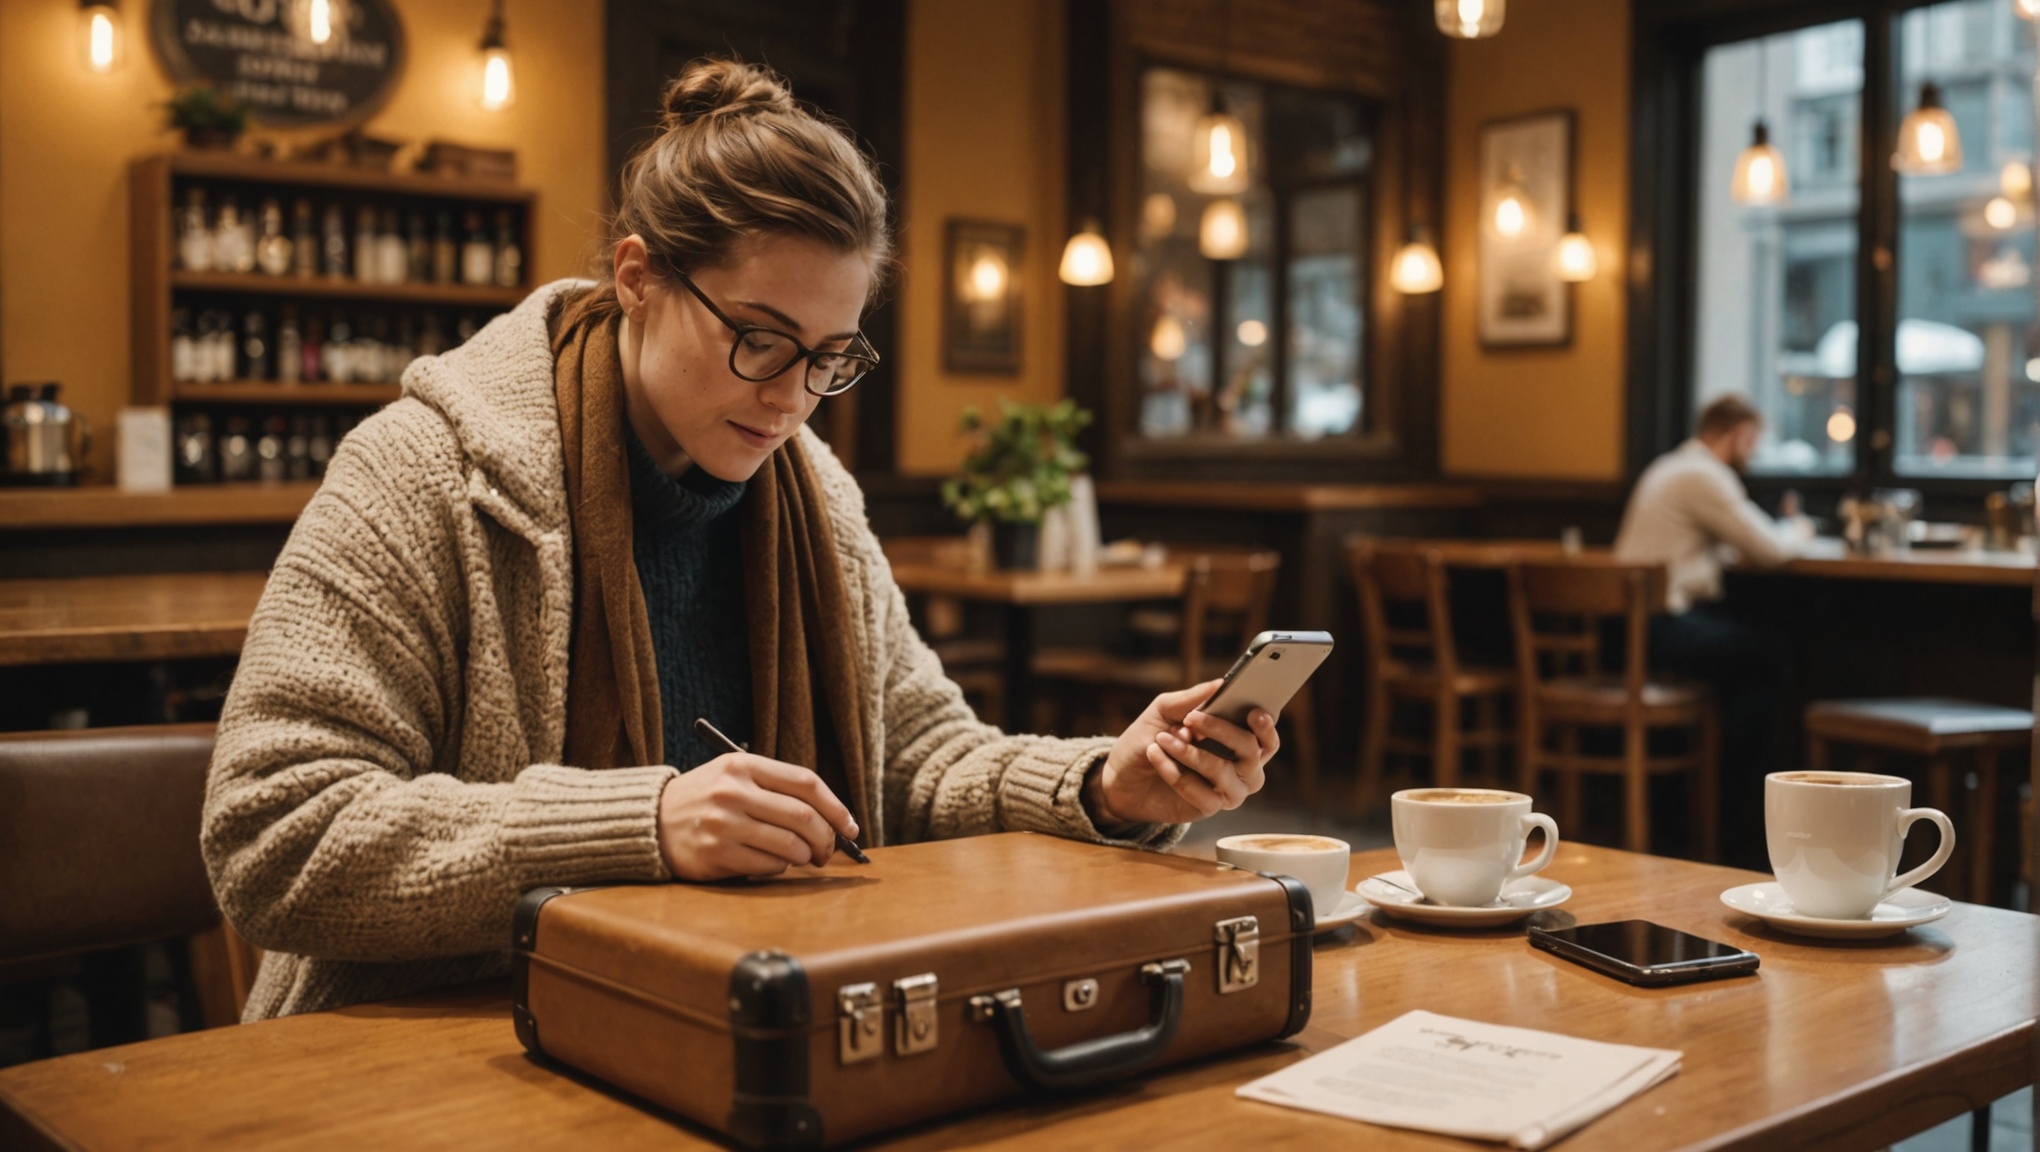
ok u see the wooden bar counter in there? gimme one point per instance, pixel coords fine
(1830, 1046)
(109, 618)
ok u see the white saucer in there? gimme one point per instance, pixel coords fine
(1906, 908)
(1350, 908)
(1519, 898)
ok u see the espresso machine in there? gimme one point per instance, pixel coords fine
(45, 441)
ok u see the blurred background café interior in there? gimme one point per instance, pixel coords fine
(1213, 316)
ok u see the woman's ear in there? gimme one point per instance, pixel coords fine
(632, 274)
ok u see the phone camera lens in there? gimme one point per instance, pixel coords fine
(1275, 655)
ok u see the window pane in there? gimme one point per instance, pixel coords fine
(1967, 400)
(1776, 294)
(1324, 311)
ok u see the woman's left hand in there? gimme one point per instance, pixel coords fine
(1157, 774)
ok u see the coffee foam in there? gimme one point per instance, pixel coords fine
(1282, 843)
(1457, 796)
(1837, 779)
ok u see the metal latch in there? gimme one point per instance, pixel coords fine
(1239, 953)
(1080, 995)
(859, 1032)
(914, 1022)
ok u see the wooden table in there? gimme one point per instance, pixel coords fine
(152, 617)
(1020, 593)
(1827, 557)
(1842, 1046)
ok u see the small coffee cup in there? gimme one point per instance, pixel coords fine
(1319, 861)
(1836, 838)
(1460, 845)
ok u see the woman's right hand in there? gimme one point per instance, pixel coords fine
(745, 815)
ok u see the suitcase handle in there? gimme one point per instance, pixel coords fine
(1086, 1062)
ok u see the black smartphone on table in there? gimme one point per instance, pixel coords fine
(1644, 953)
(1267, 674)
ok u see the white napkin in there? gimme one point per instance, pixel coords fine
(1434, 1073)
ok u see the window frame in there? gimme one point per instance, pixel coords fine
(1670, 41)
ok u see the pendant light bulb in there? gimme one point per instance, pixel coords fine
(99, 36)
(1416, 270)
(1760, 171)
(1512, 206)
(1087, 259)
(1576, 261)
(1469, 19)
(319, 21)
(2027, 9)
(1219, 162)
(1222, 233)
(2015, 180)
(1928, 142)
(499, 80)
(1168, 340)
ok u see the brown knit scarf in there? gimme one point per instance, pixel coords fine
(805, 691)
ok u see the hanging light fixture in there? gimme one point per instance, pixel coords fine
(1469, 19)
(1576, 260)
(1512, 205)
(1220, 152)
(99, 35)
(1928, 142)
(2027, 9)
(1760, 171)
(1168, 341)
(1222, 233)
(1416, 269)
(1087, 259)
(2015, 180)
(499, 83)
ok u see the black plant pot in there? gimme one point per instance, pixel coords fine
(1016, 547)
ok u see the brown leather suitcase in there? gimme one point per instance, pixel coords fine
(831, 1003)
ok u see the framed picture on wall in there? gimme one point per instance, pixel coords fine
(981, 297)
(1525, 201)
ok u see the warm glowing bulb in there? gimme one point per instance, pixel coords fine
(1510, 216)
(1468, 19)
(1928, 141)
(1253, 333)
(1222, 233)
(101, 37)
(1087, 259)
(2027, 9)
(319, 21)
(2015, 180)
(1470, 12)
(1416, 270)
(499, 87)
(1219, 159)
(987, 277)
(1158, 214)
(102, 42)
(1933, 143)
(1222, 163)
(1168, 340)
(1841, 426)
(1763, 177)
(1576, 260)
(2000, 213)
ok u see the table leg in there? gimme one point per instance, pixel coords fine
(1019, 668)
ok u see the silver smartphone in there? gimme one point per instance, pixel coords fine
(1266, 675)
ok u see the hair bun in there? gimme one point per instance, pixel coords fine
(711, 86)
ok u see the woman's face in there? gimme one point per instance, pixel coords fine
(685, 403)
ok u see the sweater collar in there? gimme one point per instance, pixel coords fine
(694, 496)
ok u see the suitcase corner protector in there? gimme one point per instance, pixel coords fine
(527, 1027)
(769, 989)
(789, 1124)
(524, 923)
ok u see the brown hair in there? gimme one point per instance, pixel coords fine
(1726, 415)
(736, 158)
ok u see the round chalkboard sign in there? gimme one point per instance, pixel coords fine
(291, 62)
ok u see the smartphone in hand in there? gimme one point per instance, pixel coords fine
(1271, 670)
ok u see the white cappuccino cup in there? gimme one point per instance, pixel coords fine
(1321, 862)
(1460, 845)
(1836, 838)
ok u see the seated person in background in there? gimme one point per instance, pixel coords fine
(1689, 512)
(478, 659)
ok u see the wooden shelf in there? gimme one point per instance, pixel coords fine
(320, 287)
(228, 166)
(104, 506)
(272, 392)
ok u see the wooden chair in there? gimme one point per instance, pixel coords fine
(1558, 611)
(975, 663)
(99, 844)
(1941, 732)
(1226, 601)
(1420, 664)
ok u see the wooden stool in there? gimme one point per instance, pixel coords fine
(1421, 664)
(1557, 610)
(1938, 731)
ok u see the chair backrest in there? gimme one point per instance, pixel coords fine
(99, 838)
(1226, 599)
(1409, 576)
(1557, 610)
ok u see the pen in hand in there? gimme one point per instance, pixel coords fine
(715, 736)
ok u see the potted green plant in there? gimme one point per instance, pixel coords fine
(1019, 468)
(207, 118)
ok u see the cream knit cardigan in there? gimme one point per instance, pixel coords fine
(387, 779)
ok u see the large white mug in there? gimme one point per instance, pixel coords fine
(1836, 838)
(1460, 845)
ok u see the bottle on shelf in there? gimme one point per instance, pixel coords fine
(290, 347)
(194, 236)
(314, 353)
(417, 250)
(254, 347)
(406, 348)
(445, 258)
(236, 449)
(364, 246)
(270, 465)
(297, 450)
(333, 243)
(509, 256)
(273, 248)
(319, 446)
(304, 239)
(432, 340)
(195, 463)
(233, 239)
(392, 260)
(338, 363)
(477, 259)
(183, 346)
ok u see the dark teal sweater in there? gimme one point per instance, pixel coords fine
(691, 566)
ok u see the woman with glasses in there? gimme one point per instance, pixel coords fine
(479, 660)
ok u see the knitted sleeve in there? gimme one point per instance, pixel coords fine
(337, 822)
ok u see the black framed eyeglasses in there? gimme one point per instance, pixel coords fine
(759, 354)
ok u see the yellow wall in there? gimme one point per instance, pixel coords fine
(1554, 413)
(66, 137)
(984, 141)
